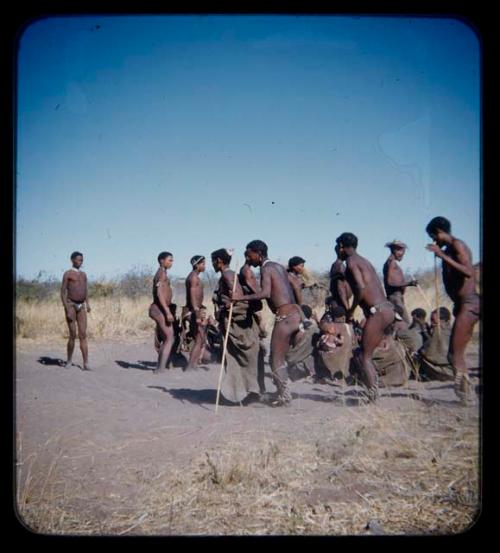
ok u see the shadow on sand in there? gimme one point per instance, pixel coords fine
(51, 361)
(196, 397)
(140, 365)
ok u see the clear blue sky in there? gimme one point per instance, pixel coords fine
(142, 134)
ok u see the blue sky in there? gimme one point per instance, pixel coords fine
(191, 133)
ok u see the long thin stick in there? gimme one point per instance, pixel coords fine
(225, 340)
(436, 291)
(427, 301)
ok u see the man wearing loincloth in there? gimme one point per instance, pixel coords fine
(394, 281)
(277, 290)
(74, 296)
(339, 288)
(460, 284)
(241, 371)
(194, 304)
(295, 270)
(161, 312)
(369, 294)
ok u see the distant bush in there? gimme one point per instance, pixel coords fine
(37, 290)
(135, 283)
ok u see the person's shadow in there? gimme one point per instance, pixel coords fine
(51, 361)
(140, 365)
(203, 397)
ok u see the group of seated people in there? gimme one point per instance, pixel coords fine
(416, 350)
(327, 348)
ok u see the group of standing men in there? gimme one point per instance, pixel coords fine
(354, 282)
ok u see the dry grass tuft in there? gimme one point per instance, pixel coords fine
(413, 471)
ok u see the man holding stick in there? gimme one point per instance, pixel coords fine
(242, 348)
(460, 285)
(369, 294)
(277, 290)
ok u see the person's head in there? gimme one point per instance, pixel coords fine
(256, 252)
(444, 315)
(165, 259)
(419, 314)
(220, 259)
(398, 249)
(198, 263)
(77, 259)
(338, 314)
(439, 229)
(347, 243)
(296, 264)
(307, 311)
(328, 302)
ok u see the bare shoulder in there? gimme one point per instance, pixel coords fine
(461, 247)
(160, 275)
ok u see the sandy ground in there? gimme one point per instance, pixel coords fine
(119, 425)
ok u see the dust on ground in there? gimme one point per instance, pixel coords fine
(120, 450)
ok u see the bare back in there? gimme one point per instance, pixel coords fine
(457, 285)
(281, 289)
(76, 285)
(364, 281)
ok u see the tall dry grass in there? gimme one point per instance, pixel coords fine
(120, 307)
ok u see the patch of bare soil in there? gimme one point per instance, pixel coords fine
(120, 450)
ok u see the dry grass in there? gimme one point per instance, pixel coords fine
(413, 471)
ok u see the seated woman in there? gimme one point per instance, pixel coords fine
(335, 343)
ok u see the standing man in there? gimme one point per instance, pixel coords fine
(161, 312)
(295, 270)
(241, 370)
(339, 287)
(369, 294)
(194, 303)
(460, 285)
(250, 285)
(74, 297)
(277, 290)
(394, 281)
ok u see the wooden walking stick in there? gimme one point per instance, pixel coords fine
(427, 301)
(224, 350)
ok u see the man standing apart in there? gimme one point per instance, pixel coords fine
(277, 290)
(74, 297)
(194, 303)
(160, 311)
(394, 281)
(460, 285)
(369, 294)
